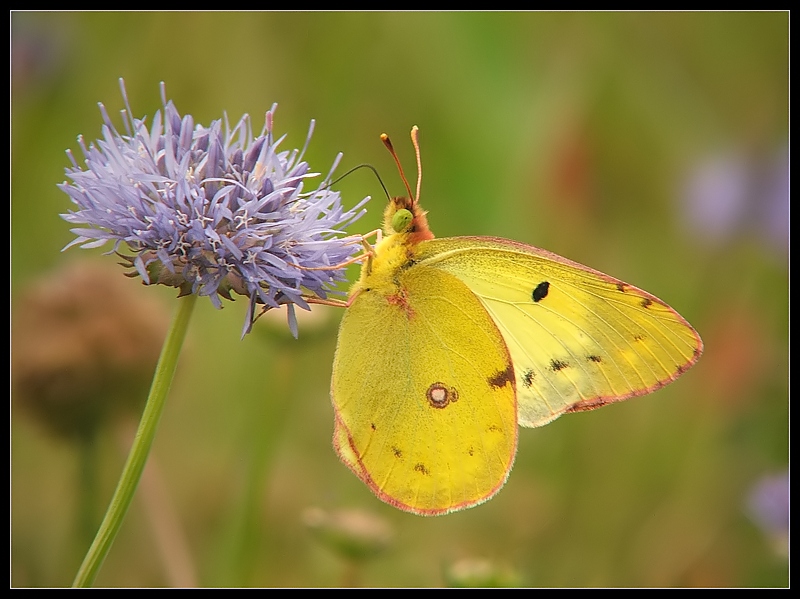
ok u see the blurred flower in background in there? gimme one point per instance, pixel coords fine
(354, 535)
(767, 505)
(38, 51)
(717, 195)
(211, 211)
(729, 193)
(84, 347)
(477, 572)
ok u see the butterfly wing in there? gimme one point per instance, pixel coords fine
(423, 393)
(578, 338)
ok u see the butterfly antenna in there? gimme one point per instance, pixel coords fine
(415, 141)
(355, 168)
(388, 143)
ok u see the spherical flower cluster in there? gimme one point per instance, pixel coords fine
(211, 210)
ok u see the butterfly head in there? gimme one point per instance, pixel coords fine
(403, 215)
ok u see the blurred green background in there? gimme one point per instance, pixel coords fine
(653, 147)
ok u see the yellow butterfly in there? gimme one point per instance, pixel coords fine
(448, 344)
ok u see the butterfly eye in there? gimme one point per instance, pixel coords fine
(401, 219)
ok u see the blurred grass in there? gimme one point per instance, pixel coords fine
(577, 132)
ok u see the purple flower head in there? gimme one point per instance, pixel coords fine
(211, 210)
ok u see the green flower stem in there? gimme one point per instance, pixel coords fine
(132, 472)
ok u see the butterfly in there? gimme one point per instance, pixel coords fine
(447, 345)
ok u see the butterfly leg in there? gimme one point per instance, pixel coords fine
(327, 302)
(368, 253)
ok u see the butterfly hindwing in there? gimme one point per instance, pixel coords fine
(424, 394)
(578, 339)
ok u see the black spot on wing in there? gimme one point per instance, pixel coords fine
(501, 379)
(557, 365)
(527, 378)
(541, 291)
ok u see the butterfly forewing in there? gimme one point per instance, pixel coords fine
(578, 339)
(423, 391)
